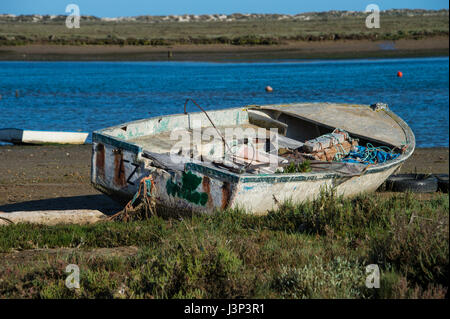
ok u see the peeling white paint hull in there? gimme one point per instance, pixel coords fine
(249, 196)
(18, 136)
(257, 197)
(119, 163)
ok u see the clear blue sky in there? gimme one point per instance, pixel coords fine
(115, 8)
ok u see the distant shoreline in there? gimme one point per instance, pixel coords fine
(341, 49)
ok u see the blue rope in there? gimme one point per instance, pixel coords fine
(370, 155)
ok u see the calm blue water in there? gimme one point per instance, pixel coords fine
(91, 95)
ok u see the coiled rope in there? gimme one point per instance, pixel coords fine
(370, 154)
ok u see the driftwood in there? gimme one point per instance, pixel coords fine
(53, 217)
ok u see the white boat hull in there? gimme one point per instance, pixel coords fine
(119, 164)
(18, 136)
(121, 174)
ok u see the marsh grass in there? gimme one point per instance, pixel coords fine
(257, 32)
(317, 249)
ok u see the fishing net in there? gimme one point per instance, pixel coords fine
(370, 155)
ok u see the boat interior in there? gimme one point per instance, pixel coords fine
(211, 144)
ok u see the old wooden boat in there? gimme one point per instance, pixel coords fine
(244, 173)
(19, 136)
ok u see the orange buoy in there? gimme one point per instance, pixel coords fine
(399, 74)
(269, 89)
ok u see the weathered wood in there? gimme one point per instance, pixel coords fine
(49, 217)
(286, 142)
(262, 119)
(360, 121)
(322, 142)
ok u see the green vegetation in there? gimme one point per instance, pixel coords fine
(318, 249)
(303, 167)
(262, 30)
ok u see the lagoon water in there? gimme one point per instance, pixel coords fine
(85, 96)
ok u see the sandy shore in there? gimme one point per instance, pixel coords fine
(436, 46)
(49, 178)
(58, 177)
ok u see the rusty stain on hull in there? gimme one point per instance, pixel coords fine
(226, 195)
(100, 160)
(119, 170)
(206, 184)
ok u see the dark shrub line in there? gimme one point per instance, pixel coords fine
(241, 40)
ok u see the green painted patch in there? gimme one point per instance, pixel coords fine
(190, 182)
